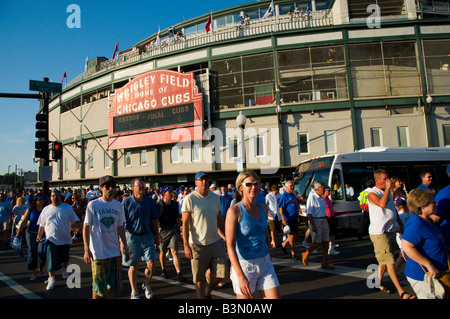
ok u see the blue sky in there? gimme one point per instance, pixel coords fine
(35, 42)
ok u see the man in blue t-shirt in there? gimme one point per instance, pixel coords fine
(427, 179)
(142, 232)
(225, 200)
(289, 215)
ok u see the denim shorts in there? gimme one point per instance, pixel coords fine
(259, 272)
(56, 255)
(142, 247)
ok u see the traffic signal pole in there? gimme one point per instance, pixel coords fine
(43, 97)
(44, 110)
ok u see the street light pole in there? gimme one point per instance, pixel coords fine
(241, 120)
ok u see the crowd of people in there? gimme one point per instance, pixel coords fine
(235, 225)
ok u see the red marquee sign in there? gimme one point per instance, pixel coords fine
(148, 109)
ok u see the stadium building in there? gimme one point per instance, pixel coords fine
(307, 77)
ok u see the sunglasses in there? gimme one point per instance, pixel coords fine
(250, 184)
(109, 186)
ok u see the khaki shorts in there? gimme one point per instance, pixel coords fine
(211, 257)
(384, 248)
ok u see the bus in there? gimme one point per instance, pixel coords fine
(347, 171)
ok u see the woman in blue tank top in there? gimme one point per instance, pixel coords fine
(248, 242)
(36, 251)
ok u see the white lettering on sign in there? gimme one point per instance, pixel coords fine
(153, 90)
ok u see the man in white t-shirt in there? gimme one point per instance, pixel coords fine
(57, 221)
(383, 217)
(274, 217)
(103, 225)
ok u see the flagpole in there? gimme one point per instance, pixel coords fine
(212, 26)
(158, 39)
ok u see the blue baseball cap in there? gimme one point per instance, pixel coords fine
(166, 188)
(400, 202)
(200, 175)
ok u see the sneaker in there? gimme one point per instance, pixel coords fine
(50, 283)
(135, 295)
(148, 291)
(181, 278)
(333, 252)
(305, 244)
(65, 275)
(164, 274)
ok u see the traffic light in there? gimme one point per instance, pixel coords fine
(42, 134)
(41, 149)
(42, 126)
(57, 148)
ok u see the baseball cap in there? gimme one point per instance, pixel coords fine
(92, 194)
(106, 179)
(166, 188)
(200, 174)
(400, 202)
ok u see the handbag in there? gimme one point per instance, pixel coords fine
(438, 288)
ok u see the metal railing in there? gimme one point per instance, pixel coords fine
(222, 33)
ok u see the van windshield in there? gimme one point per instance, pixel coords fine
(307, 172)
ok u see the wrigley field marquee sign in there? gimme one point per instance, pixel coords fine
(148, 109)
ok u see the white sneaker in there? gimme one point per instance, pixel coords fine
(333, 252)
(148, 291)
(65, 275)
(50, 283)
(135, 295)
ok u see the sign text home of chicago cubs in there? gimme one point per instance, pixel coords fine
(147, 109)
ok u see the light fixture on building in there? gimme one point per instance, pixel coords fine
(429, 99)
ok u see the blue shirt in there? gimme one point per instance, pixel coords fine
(443, 211)
(423, 186)
(289, 203)
(139, 215)
(225, 201)
(251, 235)
(5, 207)
(34, 216)
(428, 241)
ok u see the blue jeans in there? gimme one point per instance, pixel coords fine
(35, 251)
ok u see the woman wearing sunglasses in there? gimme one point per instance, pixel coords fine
(36, 252)
(248, 242)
